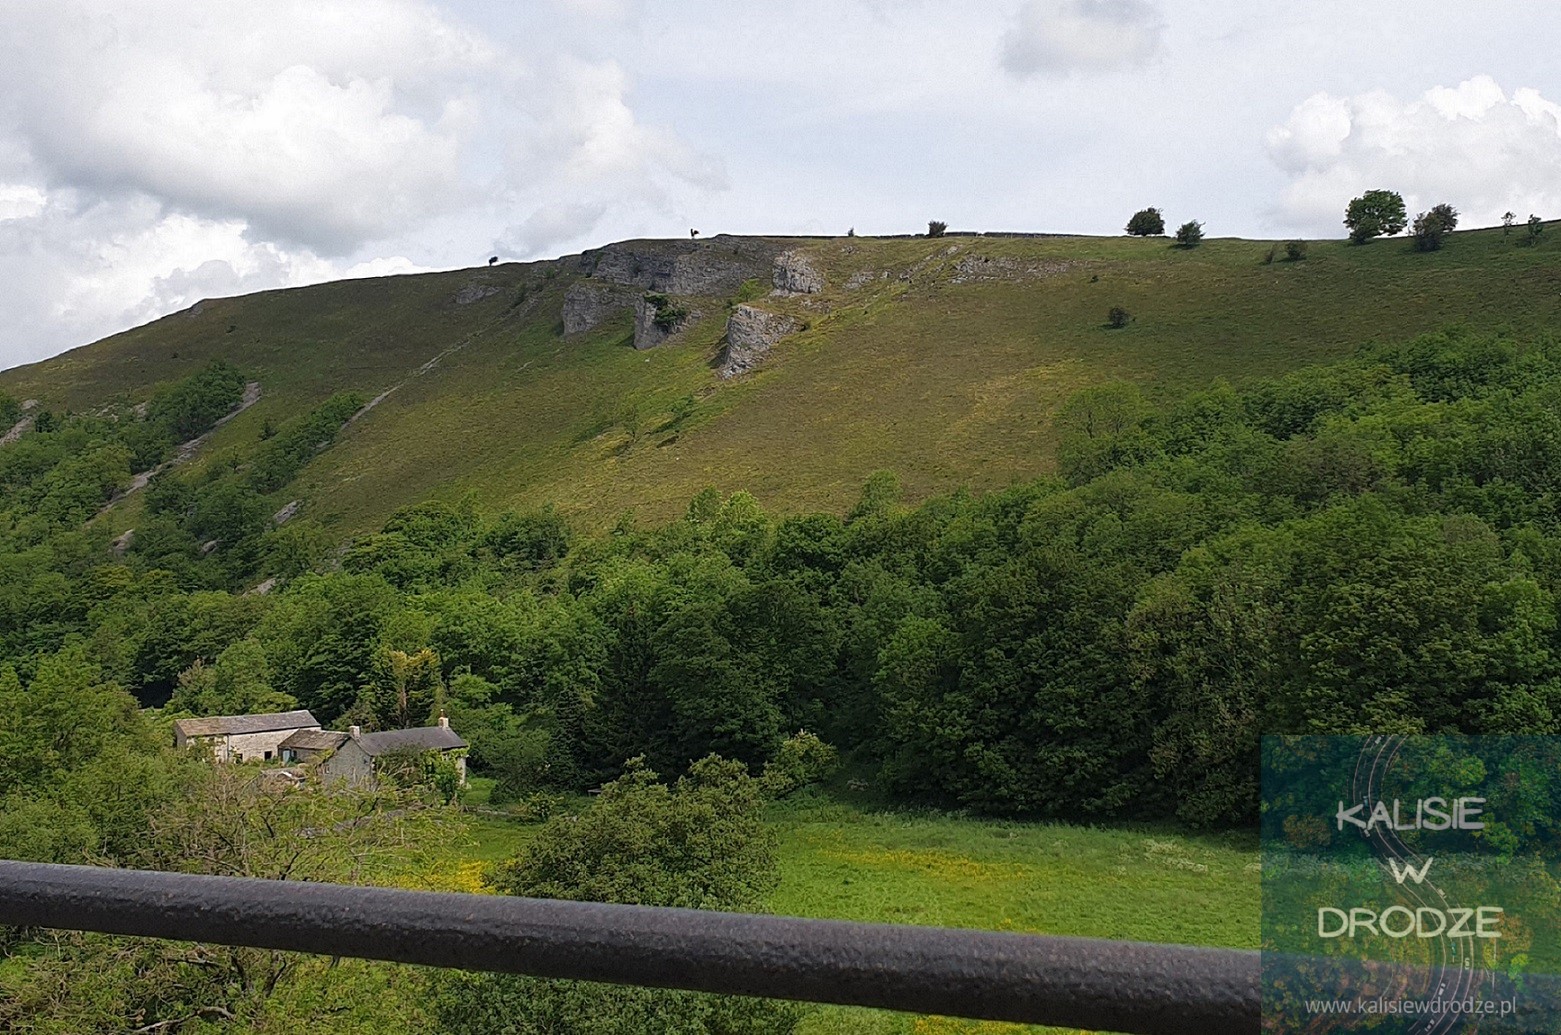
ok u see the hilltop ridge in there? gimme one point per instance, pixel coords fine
(940, 358)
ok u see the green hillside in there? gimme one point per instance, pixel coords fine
(942, 359)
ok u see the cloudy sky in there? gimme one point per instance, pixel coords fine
(155, 152)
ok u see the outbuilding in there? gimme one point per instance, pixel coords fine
(243, 738)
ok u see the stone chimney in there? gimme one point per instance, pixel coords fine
(354, 732)
(444, 722)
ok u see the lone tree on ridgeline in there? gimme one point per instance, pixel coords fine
(1430, 227)
(1376, 213)
(1189, 234)
(936, 228)
(1146, 223)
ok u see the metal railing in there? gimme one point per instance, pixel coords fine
(1088, 983)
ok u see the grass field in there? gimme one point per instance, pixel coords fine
(842, 861)
(944, 363)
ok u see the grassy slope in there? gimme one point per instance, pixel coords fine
(945, 382)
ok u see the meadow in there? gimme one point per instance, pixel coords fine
(849, 860)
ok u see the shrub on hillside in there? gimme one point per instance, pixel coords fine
(1118, 317)
(1146, 223)
(1536, 226)
(1189, 234)
(668, 313)
(1447, 214)
(1295, 251)
(1431, 227)
(936, 228)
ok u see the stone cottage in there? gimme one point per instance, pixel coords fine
(353, 761)
(242, 738)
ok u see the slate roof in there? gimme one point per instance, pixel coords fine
(423, 738)
(313, 740)
(234, 725)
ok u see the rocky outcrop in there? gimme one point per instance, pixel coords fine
(475, 292)
(750, 333)
(261, 590)
(862, 278)
(591, 303)
(22, 426)
(717, 266)
(654, 323)
(793, 274)
(121, 543)
(287, 513)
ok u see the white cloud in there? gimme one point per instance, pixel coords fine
(552, 225)
(318, 124)
(158, 151)
(1051, 37)
(1472, 146)
(21, 201)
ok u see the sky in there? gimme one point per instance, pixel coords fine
(156, 152)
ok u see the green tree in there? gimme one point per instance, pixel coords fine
(936, 228)
(407, 690)
(1189, 234)
(1100, 428)
(1146, 222)
(223, 821)
(699, 843)
(239, 683)
(1375, 214)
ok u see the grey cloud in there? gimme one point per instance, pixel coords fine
(1058, 37)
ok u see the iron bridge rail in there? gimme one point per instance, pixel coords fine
(1100, 985)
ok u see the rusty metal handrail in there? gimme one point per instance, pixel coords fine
(1131, 987)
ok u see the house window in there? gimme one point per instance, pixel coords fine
(268, 756)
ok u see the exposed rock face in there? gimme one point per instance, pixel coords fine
(17, 430)
(121, 544)
(647, 332)
(474, 292)
(717, 266)
(793, 274)
(590, 303)
(750, 333)
(287, 513)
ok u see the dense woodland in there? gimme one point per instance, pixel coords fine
(1371, 545)
(1367, 545)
